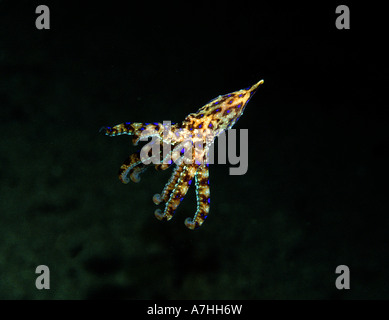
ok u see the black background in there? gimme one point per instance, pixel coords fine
(315, 194)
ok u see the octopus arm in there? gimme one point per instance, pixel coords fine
(202, 198)
(137, 129)
(175, 190)
(166, 157)
(132, 167)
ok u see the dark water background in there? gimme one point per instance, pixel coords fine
(314, 197)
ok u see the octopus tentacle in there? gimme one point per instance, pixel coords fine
(202, 197)
(130, 128)
(164, 195)
(166, 161)
(176, 190)
(137, 129)
(132, 166)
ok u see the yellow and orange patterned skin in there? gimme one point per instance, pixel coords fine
(197, 129)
